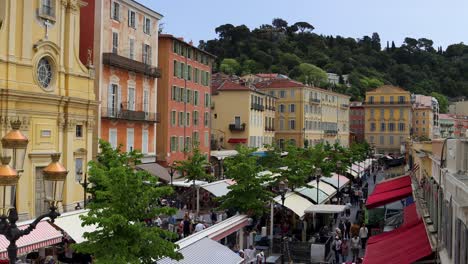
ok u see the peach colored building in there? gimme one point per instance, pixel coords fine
(126, 59)
(184, 99)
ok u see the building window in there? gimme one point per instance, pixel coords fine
(371, 99)
(115, 12)
(391, 140)
(176, 69)
(113, 137)
(391, 113)
(281, 124)
(291, 93)
(147, 25)
(282, 94)
(115, 42)
(144, 141)
(372, 113)
(401, 126)
(187, 119)
(196, 97)
(130, 139)
(146, 96)
(292, 124)
(181, 119)
(292, 108)
(44, 72)
(147, 54)
(78, 169)
(371, 139)
(401, 99)
(207, 119)
(174, 146)
(372, 127)
(181, 144)
(131, 18)
(196, 74)
(79, 131)
(281, 108)
(382, 140)
(47, 8)
(391, 127)
(207, 100)
(195, 118)
(189, 73)
(207, 139)
(382, 113)
(391, 100)
(382, 127)
(382, 99)
(131, 99)
(173, 118)
(188, 144)
(131, 49)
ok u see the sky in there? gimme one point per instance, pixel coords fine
(443, 21)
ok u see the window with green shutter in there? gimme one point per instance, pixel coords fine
(173, 93)
(173, 118)
(181, 118)
(187, 119)
(189, 73)
(195, 75)
(195, 98)
(175, 68)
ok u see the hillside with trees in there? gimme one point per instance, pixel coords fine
(295, 50)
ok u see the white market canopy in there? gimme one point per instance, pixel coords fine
(311, 193)
(353, 173)
(222, 154)
(295, 203)
(325, 209)
(218, 188)
(333, 180)
(188, 184)
(324, 187)
(72, 225)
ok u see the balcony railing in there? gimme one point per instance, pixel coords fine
(258, 107)
(330, 132)
(118, 61)
(344, 106)
(387, 103)
(234, 127)
(271, 108)
(314, 101)
(267, 128)
(124, 113)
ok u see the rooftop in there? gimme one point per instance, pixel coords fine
(169, 36)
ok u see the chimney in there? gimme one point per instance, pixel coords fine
(190, 43)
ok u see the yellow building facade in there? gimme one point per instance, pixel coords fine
(241, 115)
(44, 84)
(388, 115)
(308, 115)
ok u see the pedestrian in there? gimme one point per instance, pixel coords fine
(336, 246)
(214, 217)
(187, 226)
(363, 234)
(355, 241)
(341, 226)
(348, 209)
(355, 230)
(199, 227)
(338, 232)
(348, 229)
(375, 178)
(345, 249)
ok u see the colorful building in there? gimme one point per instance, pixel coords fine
(460, 125)
(308, 115)
(44, 84)
(447, 125)
(425, 117)
(388, 118)
(241, 115)
(125, 48)
(183, 99)
(356, 121)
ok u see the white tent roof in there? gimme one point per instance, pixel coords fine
(295, 203)
(353, 173)
(333, 180)
(325, 208)
(222, 154)
(72, 225)
(325, 187)
(188, 184)
(206, 251)
(218, 188)
(311, 193)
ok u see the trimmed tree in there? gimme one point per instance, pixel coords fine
(248, 195)
(122, 199)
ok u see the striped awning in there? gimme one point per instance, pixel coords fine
(44, 235)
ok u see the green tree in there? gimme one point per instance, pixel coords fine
(443, 101)
(123, 198)
(296, 168)
(311, 74)
(248, 195)
(230, 66)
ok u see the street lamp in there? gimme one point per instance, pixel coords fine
(318, 175)
(283, 189)
(338, 166)
(54, 179)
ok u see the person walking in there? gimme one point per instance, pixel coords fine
(363, 234)
(374, 177)
(187, 226)
(345, 249)
(347, 229)
(355, 243)
(336, 246)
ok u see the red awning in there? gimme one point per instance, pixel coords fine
(390, 191)
(376, 200)
(44, 235)
(237, 140)
(403, 246)
(392, 184)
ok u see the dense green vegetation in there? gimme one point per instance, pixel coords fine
(291, 49)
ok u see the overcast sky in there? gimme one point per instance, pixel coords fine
(443, 21)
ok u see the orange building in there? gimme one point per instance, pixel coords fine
(183, 99)
(126, 58)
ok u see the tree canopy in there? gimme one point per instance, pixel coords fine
(122, 199)
(283, 47)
